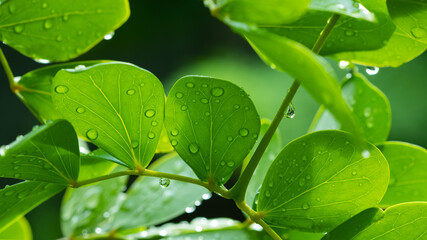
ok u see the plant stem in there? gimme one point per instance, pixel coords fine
(7, 71)
(102, 178)
(239, 189)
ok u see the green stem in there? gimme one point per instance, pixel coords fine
(102, 178)
(239, 189)
(7, 71)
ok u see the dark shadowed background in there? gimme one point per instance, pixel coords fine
(176, 38)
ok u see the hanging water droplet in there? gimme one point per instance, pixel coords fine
(230, 163)
(109, 36)
(42, 61)
(164, 182)
(80, 67)
(343, 64)
(217, 92)
(372, 70)
(179, 95)
(305, 206)
(190, 209)
(61, 89)
(47, 24)
(290, 113)
(194, 148)
(151, 135)
(419, 32)
(18, 28)
(207, 196)
(243, 132)
(80, 110)
(150, 113)
(92, 134)
(189, 85)
(130, 92)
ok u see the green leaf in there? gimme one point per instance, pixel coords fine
(354, 225)
(96, 164)
(49, 153)
(320, 180)
(267, 158)
(297, 235)
(164, 145)
(311, 70)
(21, 198)
(56, 31)
(87, 208)
(260, 12)
(349, 34)
(117, 106)
(212, 124)
(19, 230)
(229, 234)
(33, 88)
(369, 105)
(147, 203)
(348, 8)
(408, 175)
(407, 220)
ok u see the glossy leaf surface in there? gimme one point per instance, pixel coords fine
(21, 198)
(49, 153)
(117, 106)
(354, 225)
(151, 201)
(261, 12)
(34, 89)
(408, 220)
(369, 105)
(19, 230)
(311, 70)
(408, 175)
(267, 158)
(320, 180)
(349, 8)
(212, 124)
(50, 30)
(95, 164)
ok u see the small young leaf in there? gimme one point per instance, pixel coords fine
(311, 70)
(269, 155)
(149, 201)
(33, 88)
(117, 106)
(260, 12)
(320, 180)
(212, 124)
(349, 8)
(21, 198)
(49, 153)
(164, 145)
(96, 164)
(408, 175)
(19, 230)
(402, 221)
(50, 30)
(369, 105)
(354, 225)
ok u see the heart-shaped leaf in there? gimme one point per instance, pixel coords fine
(320, 180)
(49, 153)
(369, 105)
(212, 124)
(21, 198)
(117, 106)
(52, 30)
(408, 175)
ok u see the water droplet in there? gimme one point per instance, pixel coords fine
(190, 209)
(164, 182)
(217, 92)
(17, 175)
(204, 85)
(135, 144)
(267, 194)
(222, 163)
(61, 89)
(343, 64)
(305, 206)
(179, 95)
(207, 196)
(419, 32)
(59, 38)
(8, 193)
(151, 135)
(207, 114)
(175, 132)
(184, 107)
(92, 134)
(366, 153)
(18, 28)
(354, 173)
(318, 199)
(65, 17)
(230, 138)
(230, 163)
(189, 85)
(150, 113)
(80, 110)
(360, 184)
(44, 5)
(194, 148)
(349, 33)
(12, 8)
(204, 100)
(109, 36)
(367, 112)
(16, 168)
(301, 182)
(130, 92)
(154, 123)
(47, 24)
(290, 113)
(174, 142)
(80, 67)
(236, 106)
(243, 132)
(47, 166)
(372, 70)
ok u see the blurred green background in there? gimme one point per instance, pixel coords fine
(177, 38)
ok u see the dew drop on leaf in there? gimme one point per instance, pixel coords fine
(154, 123)
(47, 24)
(354, 173)
(349, 33)
(150, 113)
(190, 209)
(343, 64)
(305, 206)
(372, 70)
(175, 132)
(217, 92)
(80, 110)
(174, 143)
(18, 29)
(222, 163)
(164, 182)
(151, 135)
(230, 163)
(193, 148)
(267, 194)
(418, 32)
(9, 193)
(179, 95)
(290, 113)
(184, 107)
(12, 8)
(130, 92)
(135, 144)
(204, 100)
(80, 67)
(92, 134)
(17, 175)
(236, 106)
(109, 36)
(61, 89)
(189, 85)
(243, 132)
